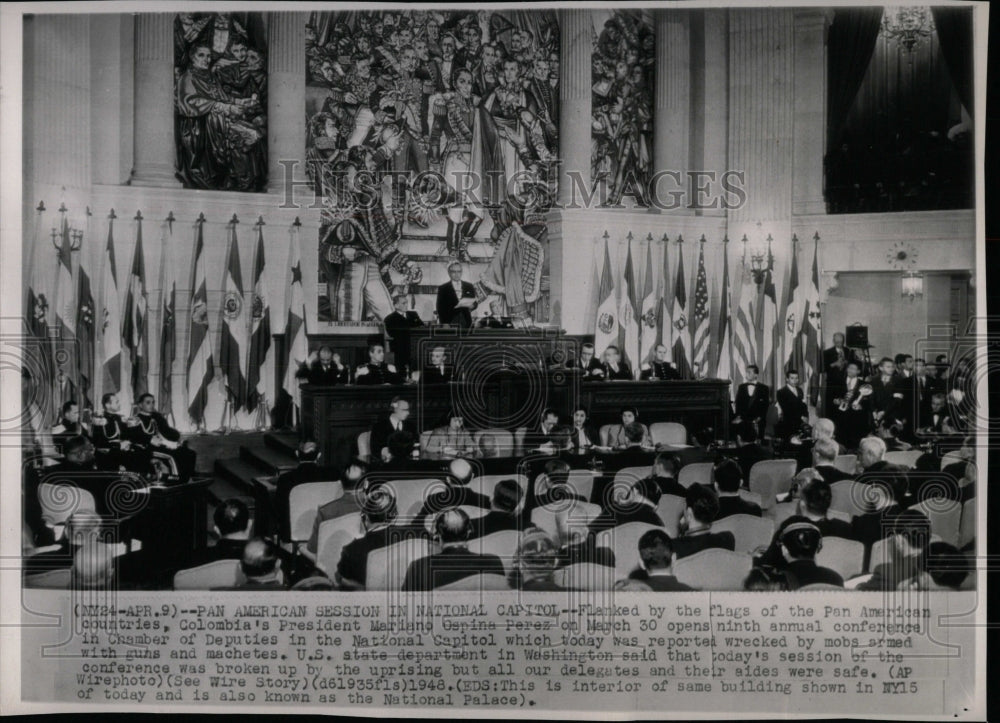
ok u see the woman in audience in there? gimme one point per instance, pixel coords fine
(616, 435)
(452, 439)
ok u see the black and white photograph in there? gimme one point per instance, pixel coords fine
(399, 360)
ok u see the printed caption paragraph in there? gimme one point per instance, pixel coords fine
(812, 652)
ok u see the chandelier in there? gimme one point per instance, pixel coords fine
(907, 25)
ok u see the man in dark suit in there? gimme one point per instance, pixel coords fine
(232, 529)
(454, 493)
(835, 360)
(116, 440)
(398, 420)
(376, 371)
(345, 505)
(794, 410)
(922, 388)
(665, 470)
(851, 412)
(799, 541)
(397, 326)
(752, 400)
(614, 368)
(659, 369)
(378, 513)
(308, 470)
(156, 435)
(503, 513)
(639, 505)
(824, 455)
(814, 503)
(453, 560)
(325, 369)
(936, 420)
(437, 371)
(450, 293)
(260, 566)
(656, 551)
(728, 477)
(888, 396)
(549, 486)
(696, 524)
(587, 363)
(909, 535)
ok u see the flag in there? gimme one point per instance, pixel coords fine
(606, 332)
(260, 373)
(168, 319)
(37, 311)
(744, 328)
(650, 329)
(234, 328)
(723, 364)
(200, 369)
(628, 331)
(65, 296)
(812, 330)
(295, 323)
(134, 331)
(702, 320)
(793, 313)
(111, 318)
(678, 316)
(666, 303)
(85, 329)
(767, 318)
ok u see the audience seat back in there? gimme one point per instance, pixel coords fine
(771, 477)
(333, 535)
(485, 581)
(304, 500)
(503, 544)
(845, 557)
(748, 496)
(821, 586)
(59, 500)
(750, 531)
(365, 444)
(671, 433)
(781, 512)
(714, 569)
(582, 481)
(670, 508)
(696, 473)
(847, 463)
(967, 527)
(50, 579)
(630, 475)
(847, 496)
(906, 458)
(881, 553)
(411, 494)
(505, 440)
(624, 540)
(945, 517)
(220, 573)
(487, 483)
(586, 576)
(387, 566)
(576, 517)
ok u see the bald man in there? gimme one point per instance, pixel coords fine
(260, 566)
(452, 559)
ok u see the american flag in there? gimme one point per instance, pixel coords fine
(744, 329)
(702, 322)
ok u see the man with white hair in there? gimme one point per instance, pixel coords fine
(826, 429)
(824, 458)
(871, 455)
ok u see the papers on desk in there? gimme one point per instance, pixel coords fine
(466, 303)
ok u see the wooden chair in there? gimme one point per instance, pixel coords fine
(582, 482)
(333, 536)
(771, 477)
(714, 569)
(59, 500)
(586, 576)
(671, 433)
(505, 440)
(365, 444)
(750, 531)
(845, 557)
(670, 508)
(696, 473)
(967, 527)
(847, 463)
(624, 540)
(387, 566)
(221, 573)
(945, 517)
(905, 459)
(304, 500)
(485, 581)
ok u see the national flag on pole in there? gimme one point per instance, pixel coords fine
(200, 367)
(768, 316)
(261, 372)
(295, 323)
(606, 332)
(793, 313)
(168, 319)
(744, 326)
(85, 327)
(38, 313)
(650, 319)
(666, 302)
(702, 320)
(111, 321)
(134, 331)
(812, 330)
(678, 316)
(66, 303)
(628, 332)
(232, 353)
(723, 365)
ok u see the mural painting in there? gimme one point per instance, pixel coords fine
(220, 103)
(432, 136)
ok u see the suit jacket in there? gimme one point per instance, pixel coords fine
(433, 375)
(381, 431)
(624, 371)
(835, 377)
(346, 505)
(831, 474)
(446, 301)
(749, 407)
(689, 544)
(662, 371)
(793, 408)
(585, 551)
(736, 506)
(353, 563)
(496, 521)
(616, 518)
(800, 573)
(616, 436)
(889, 575)
(377, 374)
(670, 486)
(660, 582)
(884, 397)
(449, 565)
(589, 434)
(317, 374)
(398, 327)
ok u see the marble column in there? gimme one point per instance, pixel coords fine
(155, 154)
(672, 110)
(811, 26)
(112, 43)
(286, 91)
(575, 81)
(715, 119)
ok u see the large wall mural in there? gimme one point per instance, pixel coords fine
(432, 136)
(622, 101)
(220, 104)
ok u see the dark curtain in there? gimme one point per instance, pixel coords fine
(849, 51)
(954, 31)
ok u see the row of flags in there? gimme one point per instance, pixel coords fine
(746, 330)
(76, 321)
